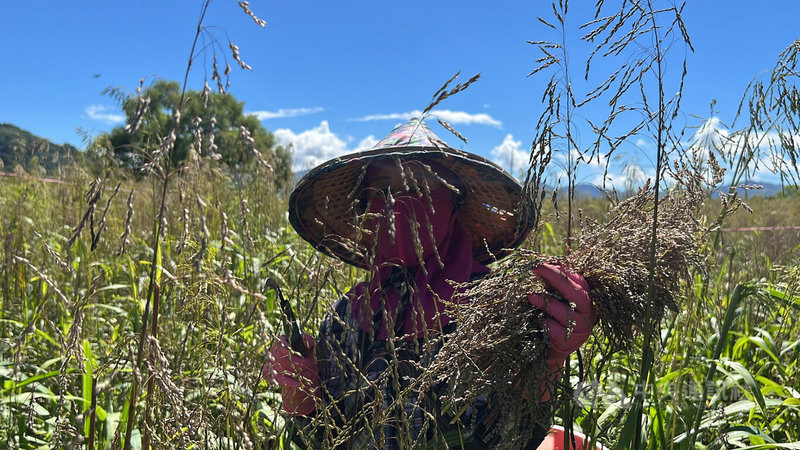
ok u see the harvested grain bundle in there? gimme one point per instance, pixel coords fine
(501, 343)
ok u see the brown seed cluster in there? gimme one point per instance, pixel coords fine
(501, 342)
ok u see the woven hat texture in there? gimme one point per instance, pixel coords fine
(324, 206)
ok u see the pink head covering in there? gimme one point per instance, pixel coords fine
(413, 277)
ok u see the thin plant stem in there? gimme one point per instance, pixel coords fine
(647, 351)
(157, 235)
(150, 381)
(92, 415)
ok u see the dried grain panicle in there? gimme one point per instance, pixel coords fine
(501, 342)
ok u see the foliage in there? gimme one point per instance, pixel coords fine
(211, 124)
(133, 313)
(639, 39)
(70, 316)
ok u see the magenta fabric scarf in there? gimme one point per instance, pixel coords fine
(431, 281)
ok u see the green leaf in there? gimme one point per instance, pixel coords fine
(159, 262)
(113, 308)
(113, 287)
(12, 385)
(101, 413)
(711, 418)
(26, 397)
(764, 345)
(752, 384)
(791, 401)
(750, 431)
(89, 362)
(47, 337)
(789, 348)
(134, 286)
(790, 445)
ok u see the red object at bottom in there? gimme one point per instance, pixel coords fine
(555, 441)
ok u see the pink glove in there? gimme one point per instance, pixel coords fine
(297, 375)
(574, 289)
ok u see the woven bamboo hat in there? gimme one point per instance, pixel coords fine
(324, 205)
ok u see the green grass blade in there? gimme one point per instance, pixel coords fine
(750, 381)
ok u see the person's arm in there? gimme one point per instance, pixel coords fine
(312, 380)
(570, 321)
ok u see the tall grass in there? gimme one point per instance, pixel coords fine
(659, 395)
(70, 318)
(133, 312)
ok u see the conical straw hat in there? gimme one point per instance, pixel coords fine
(324, 204)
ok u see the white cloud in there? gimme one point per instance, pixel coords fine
(311, 147)
(509, 155)
(627, 179)
(282, 113)
(766, 168)
(99, 112)
(712, 134)
(392, 116)
(767, 149)
(451, 117)
(631, 176)
(367, 143)
(460, 117)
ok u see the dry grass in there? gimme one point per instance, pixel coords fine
(501, 340)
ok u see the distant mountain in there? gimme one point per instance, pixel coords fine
(298, 176)
(584, 190)
(33, 153)
(767, 190)
(588, 190)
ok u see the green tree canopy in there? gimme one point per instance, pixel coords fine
(215, 118)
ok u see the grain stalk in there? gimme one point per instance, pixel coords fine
(92, 415)
(166, 172)
(647, 351)
(617, 35)
(150, 380)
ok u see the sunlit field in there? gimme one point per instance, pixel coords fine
(132, 278)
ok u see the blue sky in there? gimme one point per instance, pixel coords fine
(333, 77)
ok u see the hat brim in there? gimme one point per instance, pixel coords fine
(323, 205)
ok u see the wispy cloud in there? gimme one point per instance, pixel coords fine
(451, 117)
(712, 134)
(630, 177)
(367, 143)
(283, 113)
(100, 112)
(598, 161)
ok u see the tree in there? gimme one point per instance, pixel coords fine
(211, 124)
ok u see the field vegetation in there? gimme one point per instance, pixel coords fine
(134, 313)
(71, 319)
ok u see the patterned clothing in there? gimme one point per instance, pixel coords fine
(362, 388)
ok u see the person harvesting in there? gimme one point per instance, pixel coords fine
(423, 220)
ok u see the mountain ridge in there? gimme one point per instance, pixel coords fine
(20, 147)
